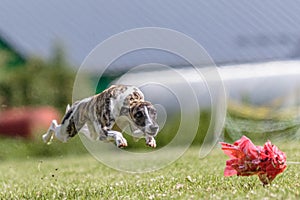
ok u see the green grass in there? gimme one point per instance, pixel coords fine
(12, 148)
(79, 176)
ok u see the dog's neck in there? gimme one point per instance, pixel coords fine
(126, 99)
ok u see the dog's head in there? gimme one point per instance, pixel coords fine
(143, 115)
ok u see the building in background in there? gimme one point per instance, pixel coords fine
(230, 31)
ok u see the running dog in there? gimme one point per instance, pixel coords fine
(99, 113)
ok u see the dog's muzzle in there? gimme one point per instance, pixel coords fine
(152, 129)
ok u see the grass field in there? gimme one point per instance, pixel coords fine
(80, 176)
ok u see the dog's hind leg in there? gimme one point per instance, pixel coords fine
(48, 136)
(57, 130)
(61, 134)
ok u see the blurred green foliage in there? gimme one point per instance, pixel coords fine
(38, 82)
(9, 56)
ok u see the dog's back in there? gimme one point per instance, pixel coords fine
(102, 108)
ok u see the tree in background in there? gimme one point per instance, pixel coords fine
(38, 82)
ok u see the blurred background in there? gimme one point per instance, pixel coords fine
(255, 44)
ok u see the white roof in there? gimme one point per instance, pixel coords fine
(231, 31)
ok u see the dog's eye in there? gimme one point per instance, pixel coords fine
(139, 114)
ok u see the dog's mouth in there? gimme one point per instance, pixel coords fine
(148, 130)
(151, 133)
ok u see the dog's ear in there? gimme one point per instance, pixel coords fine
(124, 111)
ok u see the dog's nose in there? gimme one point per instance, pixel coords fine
(154, 128)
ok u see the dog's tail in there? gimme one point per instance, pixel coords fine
(68, 108)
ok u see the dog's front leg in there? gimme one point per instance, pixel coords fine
(150, 141)
(117, 137)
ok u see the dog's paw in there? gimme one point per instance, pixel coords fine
(121, 142)
(151, 142)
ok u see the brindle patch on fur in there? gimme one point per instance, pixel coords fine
(103, 103)
(68, 114)
(71, 128)
(132, 99)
